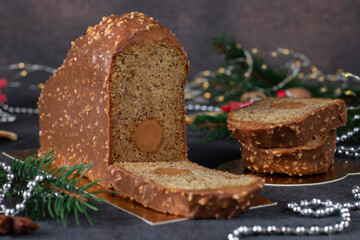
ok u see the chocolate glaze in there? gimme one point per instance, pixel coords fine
(292, 133)
(224, 202)
(302, 160)
(74, 104)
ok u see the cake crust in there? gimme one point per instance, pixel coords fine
(312, 158)
(294, 132)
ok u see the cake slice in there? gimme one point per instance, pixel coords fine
(185, 188)
(314, 157)
(286, 122)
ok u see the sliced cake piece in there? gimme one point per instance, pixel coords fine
(286, 122)
(314, 157)
(185, 188)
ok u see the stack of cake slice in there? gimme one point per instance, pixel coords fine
(288, 135)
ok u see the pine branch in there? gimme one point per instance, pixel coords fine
(58, 195)
(215, 126)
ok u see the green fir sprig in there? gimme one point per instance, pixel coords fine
(215, 126)
(59, 195)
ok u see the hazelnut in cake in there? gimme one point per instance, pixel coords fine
(118, 101)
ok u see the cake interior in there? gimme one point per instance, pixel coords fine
(279, 109)
(147, 104)
(186, 175)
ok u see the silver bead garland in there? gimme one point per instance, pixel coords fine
(26, 194)
(314, 208)
(6, 111)
(204, 108)
(19, 110)
(350, 152)
(6, 117)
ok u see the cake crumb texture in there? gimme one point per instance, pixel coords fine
(147, 85)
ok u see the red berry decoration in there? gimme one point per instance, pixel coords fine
(281, 93)
(3, 83)
(234, 105)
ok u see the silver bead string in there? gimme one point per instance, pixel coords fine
(344, 151)
(7, 112)
(204, 108)
(348, 135)
(6, 117)
(314, 208)
(23, 69)
(349, 152)
(26, 194)
(19, 110)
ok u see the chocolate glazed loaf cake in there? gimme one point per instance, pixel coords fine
(118, 101)
(118, 96)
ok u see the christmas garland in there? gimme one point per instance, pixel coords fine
(246, 78)
(38, 189)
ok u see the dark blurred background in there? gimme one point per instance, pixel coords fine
(327, 31)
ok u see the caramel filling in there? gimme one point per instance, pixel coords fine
(288, 105)
(148, 135)
(172, 171)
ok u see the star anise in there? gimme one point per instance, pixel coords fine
(13, 225)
